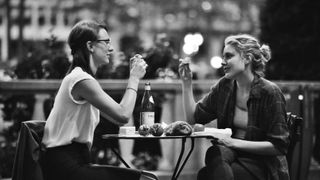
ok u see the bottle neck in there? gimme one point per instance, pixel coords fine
(147, 88)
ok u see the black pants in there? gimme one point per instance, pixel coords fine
(71, 162)
(223, 163)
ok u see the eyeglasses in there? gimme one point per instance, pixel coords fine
(107, 41)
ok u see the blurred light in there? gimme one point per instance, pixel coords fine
(198, 39)
(300, 97)
(166, 44)
(133, 12)
(206, 6)
(193, 13)
(190, 48)
(188, 39)
(216, 62)
(101, 154)
(169, 18)
(192, 43)
(195, 48)
(287, 96)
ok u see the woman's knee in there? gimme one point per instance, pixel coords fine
(212, 153)
(202, 174)
(219, 152)
(241, 173)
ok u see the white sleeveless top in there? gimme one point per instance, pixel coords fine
(70, 119)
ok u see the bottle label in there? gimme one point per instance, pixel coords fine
(151, 99)
(147, 118)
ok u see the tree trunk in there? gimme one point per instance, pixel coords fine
(21, 27)
(8, 13)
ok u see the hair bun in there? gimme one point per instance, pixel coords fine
(266, 52)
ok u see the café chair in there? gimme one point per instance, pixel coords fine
(293, 155)
(27, 161)
(28, 153)
(294, 123)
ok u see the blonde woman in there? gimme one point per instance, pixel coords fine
(253, 107)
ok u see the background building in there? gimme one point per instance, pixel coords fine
(25, 21)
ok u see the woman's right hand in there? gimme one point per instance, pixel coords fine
(184, 70)
(137, 66)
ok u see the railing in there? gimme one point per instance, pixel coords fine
(300, 100)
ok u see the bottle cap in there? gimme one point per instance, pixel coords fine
(147, 86)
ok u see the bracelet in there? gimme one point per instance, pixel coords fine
(132, 89)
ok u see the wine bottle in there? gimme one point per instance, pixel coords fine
(147, 113)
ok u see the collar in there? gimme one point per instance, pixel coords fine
(256, 86)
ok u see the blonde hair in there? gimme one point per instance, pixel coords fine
(249, 46)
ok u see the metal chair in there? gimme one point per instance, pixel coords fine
(294, 150)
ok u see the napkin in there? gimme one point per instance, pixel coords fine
(217, 133)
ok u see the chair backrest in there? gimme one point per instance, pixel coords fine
(295, 124)
(27, 158)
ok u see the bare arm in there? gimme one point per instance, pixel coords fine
(255, 147)
(118, 113)
(189, 103)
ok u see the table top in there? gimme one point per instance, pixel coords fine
(138, 136)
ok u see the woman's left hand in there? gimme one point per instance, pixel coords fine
(227, 141)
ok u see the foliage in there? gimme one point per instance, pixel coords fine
(16, 110)
(161, 58)
(7, 152)
(291, 28)
(45, 60)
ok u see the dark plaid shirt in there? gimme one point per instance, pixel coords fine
(266, 117)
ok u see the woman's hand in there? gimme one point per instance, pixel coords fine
(255, 147)
(184, 70)
(228, 142)
(137, 66)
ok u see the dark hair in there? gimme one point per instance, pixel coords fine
(248, 45)
(80, 34)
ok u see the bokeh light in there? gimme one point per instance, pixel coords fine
(192, 43)
(206, 6)
(216, 62)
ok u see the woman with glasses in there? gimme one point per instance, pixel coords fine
(253, 107)
(69, 129)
